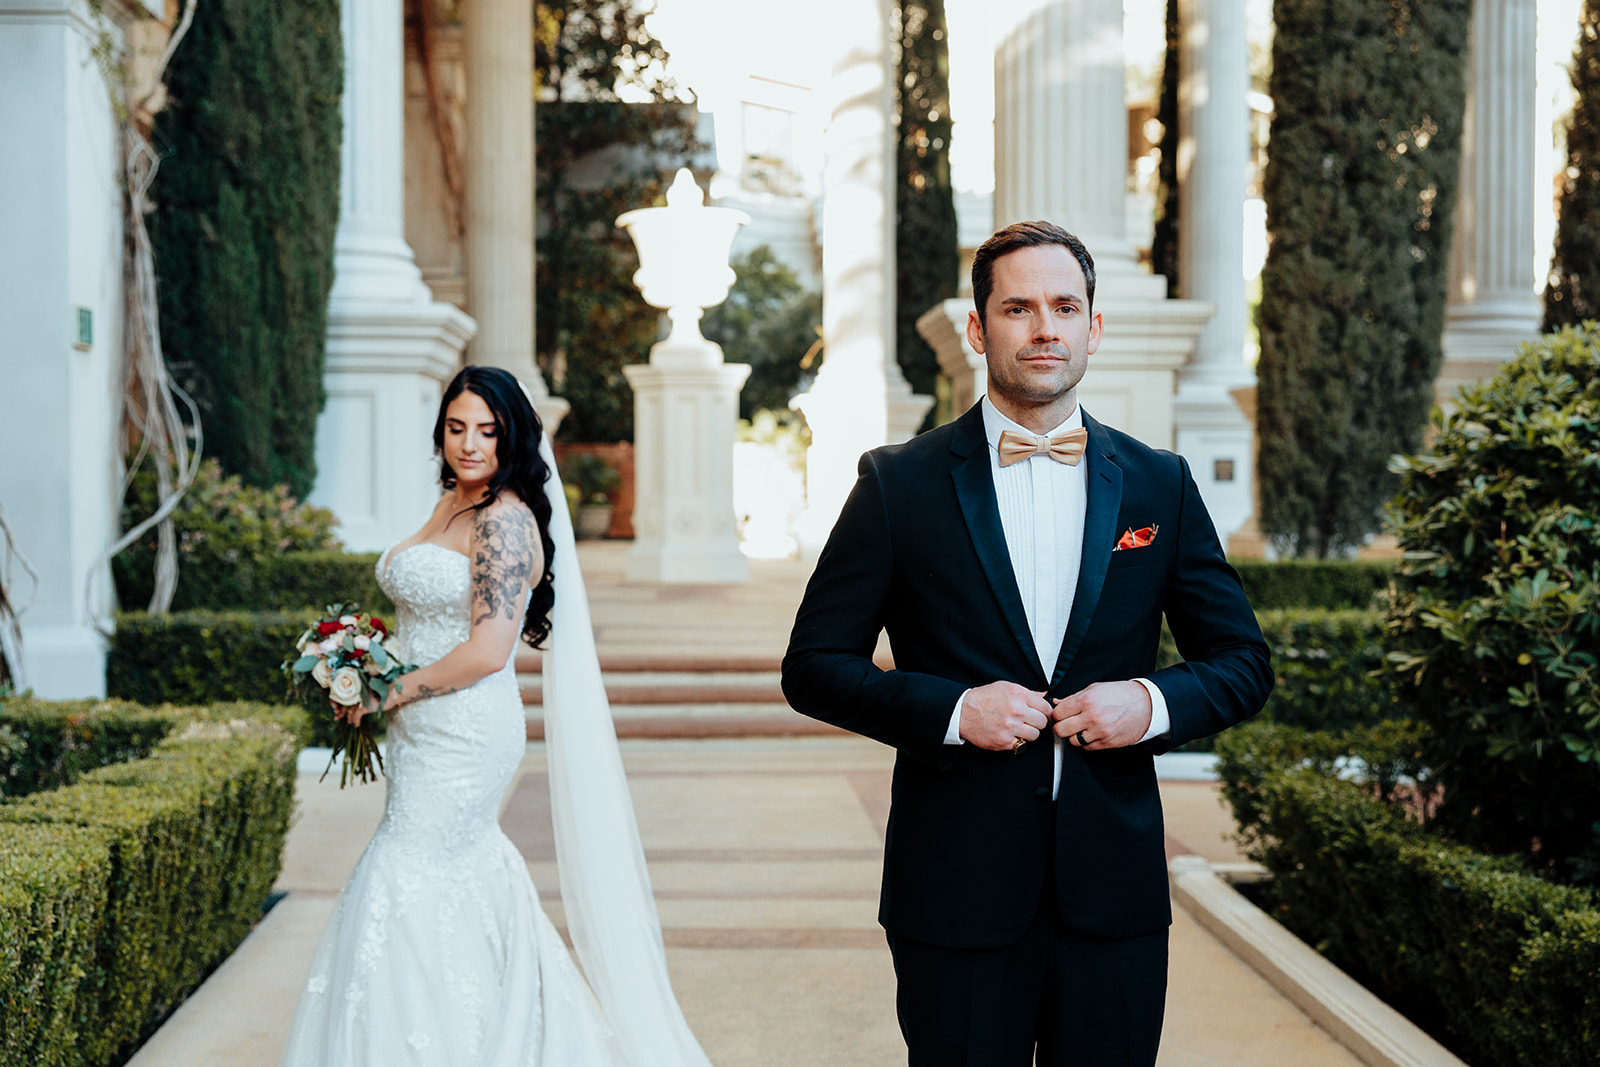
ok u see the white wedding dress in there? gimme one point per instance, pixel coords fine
(438, 952)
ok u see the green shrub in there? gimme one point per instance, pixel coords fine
(771, 322)
(1313, 583)
(1497, 963)
(294, 580)
(228, 535)
(174, 855)
(1572, 291)
(202, 657)
(1329, 668)
(1496, 626)
(53, 885)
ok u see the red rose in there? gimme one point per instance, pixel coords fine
(330, 627)
(377, 624)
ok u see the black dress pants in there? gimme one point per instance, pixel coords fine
(1072, 1000)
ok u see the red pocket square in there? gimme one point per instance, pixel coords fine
(1132, 538)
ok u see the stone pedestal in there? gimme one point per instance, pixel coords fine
(391, 346)
(685, 405)
(1061, 149)
(498, 46)
(860, 399)
(61, 302)
(1492, 305)
(1211, 431)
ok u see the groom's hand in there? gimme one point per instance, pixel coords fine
(996, 716)
(1105, 715)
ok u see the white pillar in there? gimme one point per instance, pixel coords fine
(391, 347)
(61, 221)
(1213, 155)
(860, 399)
(1493, 306)
(498, 64)
(1061, 155)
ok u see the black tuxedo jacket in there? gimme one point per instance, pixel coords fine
(918, 551)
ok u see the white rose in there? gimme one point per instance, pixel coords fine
(321, 674)
(329, 645)
(346, 687)
(347, 620)
(363, 641)
(300, 645)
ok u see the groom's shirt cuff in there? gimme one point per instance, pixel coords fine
(952, 736)
(1160, 717)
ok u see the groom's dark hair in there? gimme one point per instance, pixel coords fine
(1017, 236)
(521, 469)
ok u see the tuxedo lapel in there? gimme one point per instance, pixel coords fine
(974, 485)
(1104, 481)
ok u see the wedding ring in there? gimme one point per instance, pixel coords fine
(1082, 743)
(1018, 746)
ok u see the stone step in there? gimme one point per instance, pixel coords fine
(528, 662)
(675, 687)
(702, 721)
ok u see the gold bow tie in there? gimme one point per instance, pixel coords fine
(1067, 448)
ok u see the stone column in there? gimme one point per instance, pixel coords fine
(860, 399)
(61, 302)
(1061, 154)
(500, 181)
(391, 347)
(1493, 306)
(1213, 155)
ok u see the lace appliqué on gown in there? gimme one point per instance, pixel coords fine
(438, 952)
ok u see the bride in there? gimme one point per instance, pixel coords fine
(438, 952)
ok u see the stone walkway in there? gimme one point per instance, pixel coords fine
(764, 854)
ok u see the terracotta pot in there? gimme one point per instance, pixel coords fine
(620, 456)
(594, 521)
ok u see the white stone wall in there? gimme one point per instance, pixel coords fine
(60, 250)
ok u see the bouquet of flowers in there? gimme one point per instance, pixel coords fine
(351, 655)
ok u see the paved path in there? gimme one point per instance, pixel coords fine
(764, 855)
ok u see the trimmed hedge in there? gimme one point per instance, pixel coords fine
(196, 657)
(1309, 583)
(276, 582)
(1500, 965)
(1329, 670)
(119, 892)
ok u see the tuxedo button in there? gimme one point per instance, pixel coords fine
(1042, 793)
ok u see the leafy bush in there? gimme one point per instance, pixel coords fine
(1496, 626)
(205, 657)
(1500, 965)
(228, 534)
(118, 893)
(1313, 583)
(593, 478)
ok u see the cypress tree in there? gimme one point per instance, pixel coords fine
(1360, 188)
(927, 256)
(1572, 294)
(1164, 244)
(247, 204)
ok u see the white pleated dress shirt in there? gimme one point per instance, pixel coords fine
(1042, 509)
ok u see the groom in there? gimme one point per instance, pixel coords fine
(1021, 559)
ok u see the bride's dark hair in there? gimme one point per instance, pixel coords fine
(521, 469)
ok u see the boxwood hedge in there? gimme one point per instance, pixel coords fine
(1498, 964)
(123, 885)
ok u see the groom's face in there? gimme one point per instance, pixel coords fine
(1039, 331)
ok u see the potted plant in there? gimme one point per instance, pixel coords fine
(594, 481)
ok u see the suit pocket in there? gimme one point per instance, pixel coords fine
(1132, 559)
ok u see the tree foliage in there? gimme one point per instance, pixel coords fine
(927, 256)
(1360, 188)
(769, 321)
(1572, 294)
(597, 158)
(247, 206)
(1498, 623)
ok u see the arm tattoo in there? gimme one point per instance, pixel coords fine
(423, 692)
(502, 561)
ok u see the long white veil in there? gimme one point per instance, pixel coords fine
(605, 887)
